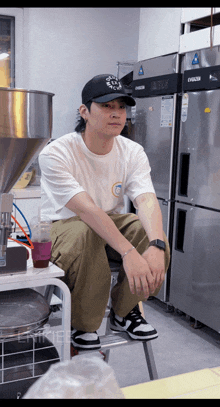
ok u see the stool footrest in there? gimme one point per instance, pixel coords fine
(116, 339)
(113, 340)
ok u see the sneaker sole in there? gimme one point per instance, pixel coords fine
(133, 336)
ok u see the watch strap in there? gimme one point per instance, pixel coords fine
(160, 244)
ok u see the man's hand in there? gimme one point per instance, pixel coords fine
(139, 274)
(145, 272)
(155, 260)
(150, 215)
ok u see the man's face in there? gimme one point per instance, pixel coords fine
(107, 119)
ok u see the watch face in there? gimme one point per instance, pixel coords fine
(160, 243)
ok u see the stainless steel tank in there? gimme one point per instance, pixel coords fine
(25, 128)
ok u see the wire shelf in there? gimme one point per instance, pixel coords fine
(25, 358)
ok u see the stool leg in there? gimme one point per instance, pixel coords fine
(107, 353)
(148, 351)
(108, 331)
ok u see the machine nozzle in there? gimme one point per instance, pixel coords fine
(6, 206)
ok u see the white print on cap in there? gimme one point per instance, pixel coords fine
(113, 82)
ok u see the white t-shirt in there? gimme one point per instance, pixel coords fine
(69, 167)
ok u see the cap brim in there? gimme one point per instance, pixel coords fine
(111, 96)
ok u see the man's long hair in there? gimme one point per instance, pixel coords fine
(81, 124)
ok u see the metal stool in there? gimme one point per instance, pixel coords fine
(112, 340)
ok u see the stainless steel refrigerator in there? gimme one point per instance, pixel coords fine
(156, 83)
(195, 267)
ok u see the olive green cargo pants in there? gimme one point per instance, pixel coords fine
(80, 252)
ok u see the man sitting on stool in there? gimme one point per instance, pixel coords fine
(85, 175)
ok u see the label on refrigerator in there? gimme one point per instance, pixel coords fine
(141, 71)
(195, 60)
(184, 109)
(166, 117)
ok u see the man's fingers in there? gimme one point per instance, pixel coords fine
(141, 284)
(159, 279)
(131, 284)
(151, 282)
(145, 287)
(138, 285)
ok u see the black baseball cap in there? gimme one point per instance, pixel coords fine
(104, 88)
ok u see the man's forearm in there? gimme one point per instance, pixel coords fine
(84, 206)
(103, 225)
(150, 216)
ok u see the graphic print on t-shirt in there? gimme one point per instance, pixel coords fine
(116, 189)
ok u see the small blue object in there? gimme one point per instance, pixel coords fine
(195, 60)
(141, 71)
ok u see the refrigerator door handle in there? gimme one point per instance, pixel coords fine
(184, 174)
(180, 230)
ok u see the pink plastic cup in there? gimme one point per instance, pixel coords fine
(41, 254)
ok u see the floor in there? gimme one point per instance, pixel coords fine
(179, 348)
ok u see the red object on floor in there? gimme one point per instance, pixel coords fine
(73, 351)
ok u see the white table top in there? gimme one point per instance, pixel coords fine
(32, 273)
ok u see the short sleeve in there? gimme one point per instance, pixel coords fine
(57, 181)
(138, 178)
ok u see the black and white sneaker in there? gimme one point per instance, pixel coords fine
(134, 324)
(85, 340)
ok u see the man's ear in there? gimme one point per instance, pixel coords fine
(83, 111)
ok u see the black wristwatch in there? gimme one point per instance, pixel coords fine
(158, 243)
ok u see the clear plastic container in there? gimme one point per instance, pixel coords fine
(40, 230)
(41, 240)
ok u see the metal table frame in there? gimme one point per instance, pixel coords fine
(44, 277)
